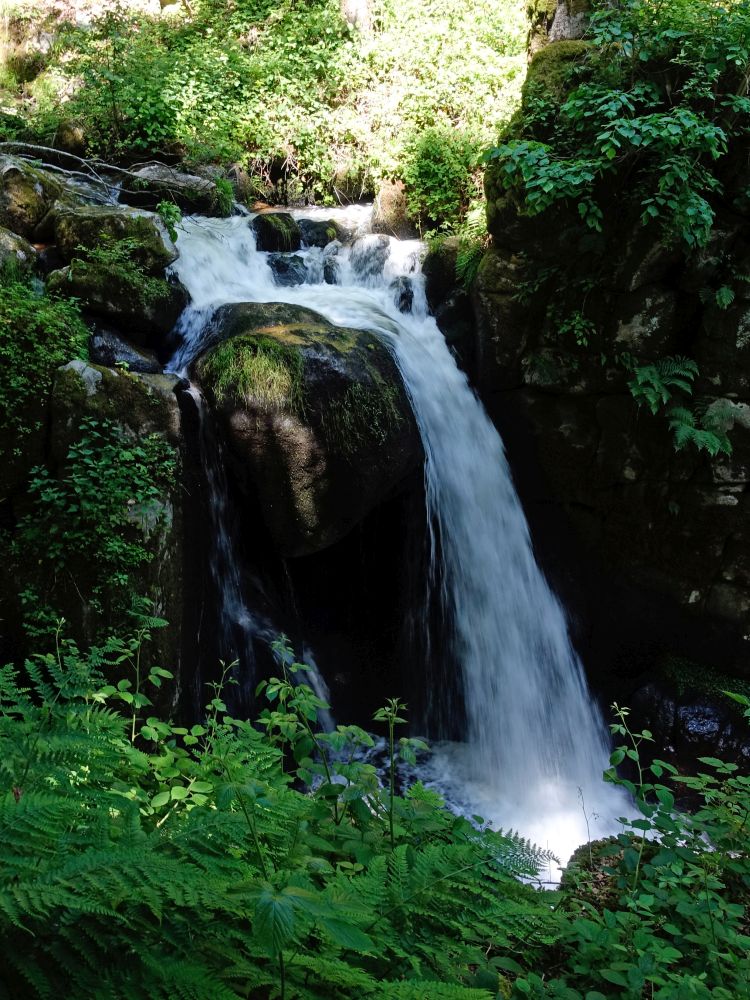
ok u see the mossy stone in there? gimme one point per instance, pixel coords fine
(318, 421)
(87, 225)
(26, 195)
(276, 232)
(142, 310)
(549, 71)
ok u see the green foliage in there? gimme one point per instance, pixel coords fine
(37, 335)
(473, 240)
(440, 176)
(145, 859)
(225, 196)
(260, 371)
(654, 386)
(171, 216)
(87, 530)
(310, 104)
(653, 103)
(678, 925)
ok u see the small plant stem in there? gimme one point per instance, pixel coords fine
(391, 728)
(282, 974)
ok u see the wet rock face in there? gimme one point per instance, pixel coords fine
(318, 422)
(316, 233)
(693, 723)
(288, 269)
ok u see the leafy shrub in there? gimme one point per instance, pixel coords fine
(37, 335)
(659, 96)
(678, 926)
(87, 529)
(440, 177)
(309, 104)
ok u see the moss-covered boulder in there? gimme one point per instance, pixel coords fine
(319, 424)
(320, 232)
(26, 195)
(144, 309)
(549, 73)
(276, 232)
(89, 225)
(16, 251)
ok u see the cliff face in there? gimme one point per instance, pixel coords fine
(564, 317)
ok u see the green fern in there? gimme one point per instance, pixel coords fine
(473, 240)
(653, 385)
(704, 427)
(142, 859)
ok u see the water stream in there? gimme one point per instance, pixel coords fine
(535, 745)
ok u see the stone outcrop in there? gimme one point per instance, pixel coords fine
(563, 317)
(318, 422)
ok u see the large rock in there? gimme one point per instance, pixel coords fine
(320, 232)
(318, 420)
(145, 309)
(26, 195)
(89, 226)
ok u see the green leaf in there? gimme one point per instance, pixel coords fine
(273, 920)
(347, 935)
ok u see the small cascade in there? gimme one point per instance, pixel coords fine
(535, 745)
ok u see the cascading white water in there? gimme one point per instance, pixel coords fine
(536, 745)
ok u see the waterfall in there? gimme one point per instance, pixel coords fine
(535, 744)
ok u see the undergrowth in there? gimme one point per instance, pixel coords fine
(145, 859)
(223, 859)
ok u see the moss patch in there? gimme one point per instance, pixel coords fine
(686, 677)
(550, 70)
(363, 415)
(258, 370)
